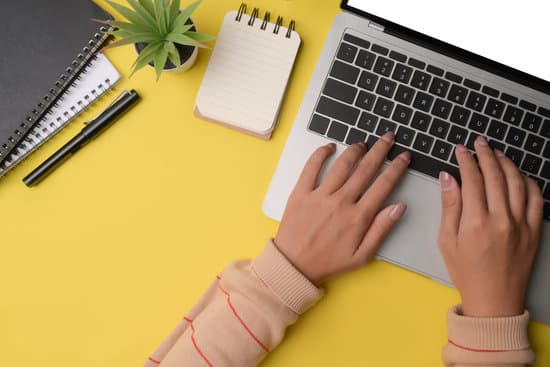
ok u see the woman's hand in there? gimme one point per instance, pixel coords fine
(490, 231)
(337, 226)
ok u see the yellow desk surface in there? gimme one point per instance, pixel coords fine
(101, 260)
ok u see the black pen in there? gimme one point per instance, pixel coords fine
(92, 129)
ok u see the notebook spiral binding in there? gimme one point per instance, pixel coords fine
(265, 21)
(65, 79)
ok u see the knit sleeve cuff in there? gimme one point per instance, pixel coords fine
(487, 333)
(286, 282)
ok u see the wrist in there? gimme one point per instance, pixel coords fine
(497, 309)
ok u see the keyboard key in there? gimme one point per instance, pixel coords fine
(380, 49)
(337, 131)
(439, 87)
(346, 52)
(453, 77)
(490, 91)
(515, 137)
(479, 123)
(384, 107)
(365, 100)
(435, 70)
(356, 136)
(534, 144)
(460, 115)
(442, 150)
(531, 164)
(476, 101)
(453, 157)
(402, 114)
(471, 140)
(404, 94)
(513, 115)
(545, 170)
(423, 101)
(383, 66)
(402, 73)
(384, 126)
(545, 131)
(416, 63)
(471, 84)
(457, 135)
(544, 111)
(497, 130)
(546, 193)
(365, 59)
(532, 122)
(371, 140)
(515, 155)
(527, 105)
(546, 210)
(341, 91)
(508, 98)
(356, 40)
(337, 110)
(546, 152)
(367, 122)
(368, 80)
(319, 124)
(423, 143)
(421, 80)
(344, 72)
(457, 94)
(439, 128)
(397, 56)
(494, 108)
(497, 145)
(386, 87)
(442, 108)
(421, 121)
(405, 136)
(431, 167)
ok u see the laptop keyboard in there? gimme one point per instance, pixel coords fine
(371, 90)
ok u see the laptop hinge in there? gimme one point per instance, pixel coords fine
(376, 26)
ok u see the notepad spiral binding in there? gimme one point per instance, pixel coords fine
(64, 80)
(265, 21)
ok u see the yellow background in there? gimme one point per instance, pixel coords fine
(101, 260)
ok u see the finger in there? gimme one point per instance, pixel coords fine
(516, 186)
(343, 168)
(310, 174)
(473, 191)
(451, 211)
(493, 177)
(382, 187)
(377, 232)
(368, 167)
(535, 206)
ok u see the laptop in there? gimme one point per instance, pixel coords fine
(437, 75)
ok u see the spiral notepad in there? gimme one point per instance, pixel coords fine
(247, 75)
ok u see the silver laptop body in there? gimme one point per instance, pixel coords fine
(412, 244)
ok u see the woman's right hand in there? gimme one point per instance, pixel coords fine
(490, 230)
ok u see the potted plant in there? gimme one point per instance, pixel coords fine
(164, 36)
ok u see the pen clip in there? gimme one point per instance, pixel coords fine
(118, 98)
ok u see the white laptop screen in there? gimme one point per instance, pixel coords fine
(514, 33)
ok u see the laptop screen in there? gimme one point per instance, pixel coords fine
(514, 33)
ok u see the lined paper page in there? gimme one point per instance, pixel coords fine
(246, 78)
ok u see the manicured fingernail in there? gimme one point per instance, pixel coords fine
(397, 211)
(445, 181)
(388, 137)
(331, 146)
(499, 153)
(406, 156)
(362, 144)
(482, 141)
(460, 148)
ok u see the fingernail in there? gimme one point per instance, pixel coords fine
(397, 211)
(482, 141)
(499, 153)
(460, 148)
(406, 156)
(445, 181)
(388, 137)
(362, 144)
(331, 146)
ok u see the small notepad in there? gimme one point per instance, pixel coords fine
(246, 79)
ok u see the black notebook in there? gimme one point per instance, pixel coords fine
(45, 44)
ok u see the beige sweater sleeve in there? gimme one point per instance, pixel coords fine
(244, 314)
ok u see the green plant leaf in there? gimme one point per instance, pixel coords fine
(200, 37)
(128, 27)
(174, 9)
(160, 60)
(148, 4)
(186, 13)
(146, 56)
(144, 14)
(182, 39)
(132, 39)
(179, 29)
(127, 13)
(173, 53)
